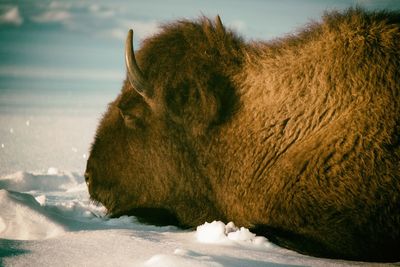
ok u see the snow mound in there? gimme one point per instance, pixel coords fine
(217, 232)
(50, 204)
(53, 180)
(23, 218)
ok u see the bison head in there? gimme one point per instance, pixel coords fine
(179, 90)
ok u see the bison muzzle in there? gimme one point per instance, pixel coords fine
(297, 138)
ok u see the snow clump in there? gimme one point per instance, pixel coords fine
(217, 232)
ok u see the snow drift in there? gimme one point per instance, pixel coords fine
(46, 219)
(23, 218)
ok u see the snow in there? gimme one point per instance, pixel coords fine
(22, 218)
(47, 218)
(212, 232)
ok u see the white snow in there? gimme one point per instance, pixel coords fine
(23, 218)
(212, 233)
(217, 232)
(47, 219)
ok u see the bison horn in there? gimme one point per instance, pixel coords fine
(135, 75)
(218, 25)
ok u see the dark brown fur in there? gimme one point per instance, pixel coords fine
(296, 138)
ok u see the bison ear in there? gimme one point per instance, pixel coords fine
(192, 107)
(202, 105)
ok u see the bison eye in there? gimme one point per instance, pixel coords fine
(134, 113)
(87, 177)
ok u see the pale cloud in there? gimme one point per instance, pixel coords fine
(60, 73)
(11, 16)
(95, 18)
(141, 29)
(238, 25)
(60, 5)
(100, 11)
(52, 16)
(116, 33)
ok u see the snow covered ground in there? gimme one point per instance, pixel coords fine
(46, 218)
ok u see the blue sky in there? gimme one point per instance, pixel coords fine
(78, 45)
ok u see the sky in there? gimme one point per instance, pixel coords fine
(75, 46)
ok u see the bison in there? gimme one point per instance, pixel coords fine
(297, 138)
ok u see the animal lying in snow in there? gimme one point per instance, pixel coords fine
(297, 138)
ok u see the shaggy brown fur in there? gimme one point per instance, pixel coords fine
(297, 138)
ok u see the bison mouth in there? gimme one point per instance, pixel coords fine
(103, 197)
(153, 216)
